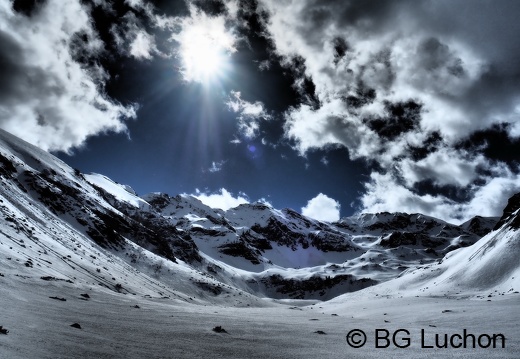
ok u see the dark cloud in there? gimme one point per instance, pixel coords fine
(303, 83)
(400, 118)
(433, 55)
(368, 16)
(431, 144)
(340, 48)
(378, 71)
(27, 7)
(363, 96)
(457, 194)
(489, 27)
(496, 144)
(10, 71)
(211, 7)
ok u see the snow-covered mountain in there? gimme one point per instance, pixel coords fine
(59, 223)
(490, 267)
(90, 269)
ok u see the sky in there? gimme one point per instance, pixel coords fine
(331, 108)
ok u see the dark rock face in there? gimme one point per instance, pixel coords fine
(397, 239)
(219, 329)
(159, 201)
(278, 232)
(240, 249)
(480, 225)
(331, 242)
(299, 289)
(509, 213)
(159, 235)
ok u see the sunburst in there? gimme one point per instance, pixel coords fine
(205, 48)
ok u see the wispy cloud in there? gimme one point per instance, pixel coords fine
(216, 166)
(249, 114)
(132, 39)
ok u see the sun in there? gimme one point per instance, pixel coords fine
(202, 56)
(205, 46)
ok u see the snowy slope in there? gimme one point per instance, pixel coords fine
(489, 268)
(121, 192)
(55, 225)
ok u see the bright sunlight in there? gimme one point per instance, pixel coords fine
(205, 46)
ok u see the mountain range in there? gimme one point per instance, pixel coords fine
(61, 228)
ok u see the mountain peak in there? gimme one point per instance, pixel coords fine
(510, 214)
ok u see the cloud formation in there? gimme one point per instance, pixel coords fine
(402, 84)
(132, 39)
(322, 208)
(47, 96)
(249, 114)
(221, 199)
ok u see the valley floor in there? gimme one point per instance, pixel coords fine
(115, 325)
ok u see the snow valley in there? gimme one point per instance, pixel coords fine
(90, 269)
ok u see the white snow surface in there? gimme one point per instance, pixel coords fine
(488, 268)
(121, 192)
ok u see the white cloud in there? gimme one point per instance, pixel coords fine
(222, 199)
(324, 160)
(441, 72)
(322, 208)
(264, 65)
(443, 167)
(232, 7)
(329, 125)
(46, 97)
(235, 141)
(249, 114)
(135, 3)
(142, 46)
(491, 198)
(384, 193)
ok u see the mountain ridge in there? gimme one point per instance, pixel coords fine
(252, 248)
